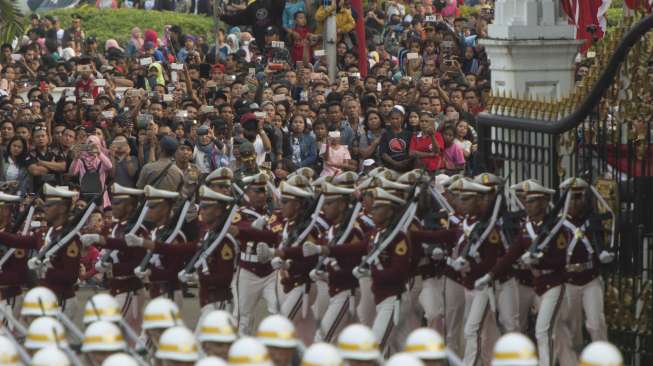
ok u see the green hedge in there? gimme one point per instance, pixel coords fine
(117, 24)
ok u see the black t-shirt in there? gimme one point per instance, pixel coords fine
(395, 144)
(51, 178)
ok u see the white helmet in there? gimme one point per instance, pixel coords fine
(321, 354)
(44, 332)
(120, 359)
(601, 353)
(39, 301)
(425, 344)
(404, 359)
(177, 344)
(8, 353)
(248, 351)
(217, 326)
(103, 336)
(161, 313)
(50, 356)
(277, 331)
(102, 307)
(514, 349)
(357, 342)
(211, 361)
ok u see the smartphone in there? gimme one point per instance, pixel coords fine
(88, 101)
(319, 53)
(205, 71)
(344, 82)
(16, 57)
(260, 115)
(167, 98)
(412, 56)
(175, 66)
(84, 68)
(251, 71)
(84, 147)
(145, 61)
(275, 66)
(142, 120)
(278, 44)
(182, 114)
(100, 82)
(207, 109)
(278, 97)
(448, 62)
(107, 114)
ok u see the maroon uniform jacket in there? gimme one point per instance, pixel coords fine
(63, 273)
(125, 259)
(248, 238)
(343, 258)
(579, 254)
(13, 274)
(297, 273)
(392, 270)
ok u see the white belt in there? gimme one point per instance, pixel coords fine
(252, 258)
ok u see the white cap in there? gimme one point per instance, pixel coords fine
(159, 314)
(465, 187)
(50, 356)
(574, 183)
(248, 351)
(119, 191)
(44, 332)
(207, 194)
(51, 192)
(102, 307)
(8, 353)
(601, 353)
(404, 359)
(152, 193)
(38, 301)
(425, 344)
(217, 326)
(514, 349)
(177, 344)
(120, 359)
(211, 361)
(368, 162)
(277, 331)
(321, 354)
(347, 179)
(357, 342)
(220, 175)
(103, 336)
(383, 197)
(296, 186)
(4, 197)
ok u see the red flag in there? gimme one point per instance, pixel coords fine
(589, 17)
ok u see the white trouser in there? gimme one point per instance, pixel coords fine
(12, 306)
(250, 289)
(546, 325)
(296, 307)
(431, 299)
(131, 304)
(322, 300)
(339, 314)
(480, 328)
(527, 300)
(391, 336)
(366, 308)
(455, 315)
(206, 309)
(416, 311)
(507, 305)
(589, 298)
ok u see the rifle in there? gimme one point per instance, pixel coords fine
(315, 209)
(133, 224)
(551, 224)
(25, 219)
(482, 230)
(339, 238)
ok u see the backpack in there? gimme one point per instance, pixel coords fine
(90, 183)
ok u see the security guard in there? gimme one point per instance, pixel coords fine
(62, 272)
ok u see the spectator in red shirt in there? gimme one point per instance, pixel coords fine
(427, 145)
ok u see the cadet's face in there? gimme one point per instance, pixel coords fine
(467, 204)
(54, 211)
(211, 213)
(536, 206)
(157, 213)
(216, 349)
(576, 205)
(220, 188)
(290, 208)
(281, 356)
(381, 214)
(332, 209)
(257, 197)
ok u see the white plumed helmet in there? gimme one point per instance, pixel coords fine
(102, 307)
(357, 342)
(277, 331)
(211, 361)
(248, 351)
(39, 301)
(161, 313)
(8, 353)
(217, 326)
(177, 344)
(103, 336)
(601, 353)
(44, 332)
(514, 349)
(425, 344)
(322, 354)
(120, 359)
(404, 359)
(50, 356)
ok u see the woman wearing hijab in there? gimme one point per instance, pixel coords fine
(93, 162)
(136, 43)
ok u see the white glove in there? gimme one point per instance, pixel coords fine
(264, 252)
(260, 223)
(437, 254)
(34, 263)
(89, 239)
(142, 275)
(102, 267)
(311, 249)
(606, 257)
(360, 272)
(132, 240)
(528, 259)
(278, 263)
(316, 275)
(460, 264)
(482, 282)
(188, 278)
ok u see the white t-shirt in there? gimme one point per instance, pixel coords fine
(260, 150)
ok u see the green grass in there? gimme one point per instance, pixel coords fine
(117, 24)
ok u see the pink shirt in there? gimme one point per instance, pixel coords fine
(453, 156)
(336, 156)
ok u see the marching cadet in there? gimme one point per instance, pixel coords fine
(342, 254)
(255, 279)
(427, 345)
(124, 285)
(161, 270)
(216, 332)
(177, 347)
(13, 267)
(514, 349)
(548, 269)
(63, 270)
(584, 255)
(358, 346)
(159, 315)
(321, 354)
(248, 351)
(248, 166)
(505, 287)
(278, 335)
(220, 180)
(101, 339)
(389, 272)
(601, 353)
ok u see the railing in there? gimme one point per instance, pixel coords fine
(606, 137)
